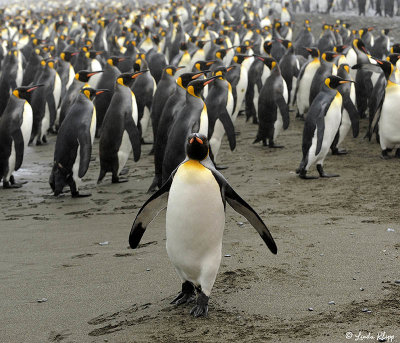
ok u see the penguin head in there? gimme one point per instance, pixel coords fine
(51, 63)
(239, 58)
(25, 92)
(221, 72)
(196, 87)
(386, 67)
(126, 79)
(90, 93)
(197, 147)
(329, 56)
(221, 53)
(344, 67)
(201, 43)
(393, 58)
(340, 48)
(268, 61)
(395, 48)
(91, 54)
(84, 75)
(171, 70)
(286, 43)
(114, 60)
(67, 55)
(314, 52)
(184, 79)
(267, 47)
(385, 31)
(335, 81)
(359, 44)
(204, 65)
(241, 49)
(183, 46)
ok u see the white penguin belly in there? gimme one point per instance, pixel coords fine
(216, 138)
(27, 120)
(204, 121)
(93, 125)
(75, 167)
(389, 123)
(194, 225)
(11, 162)
(57, 90)
(303, 92)
(278, 124)
(45, 122)
(124, 151)
(71, 77)
(240, 92)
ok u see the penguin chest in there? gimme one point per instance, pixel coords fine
(135, 115)
(204, 121)
(71, 76)
(389, 123)
(93, 125)
(27, 120)
(57, 90)
(230, 101)
(195, 219)
(332, 123)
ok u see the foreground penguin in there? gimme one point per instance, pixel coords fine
(321, 126)
(119, 133)
(195, 196)
(74, 144)
(15, 131)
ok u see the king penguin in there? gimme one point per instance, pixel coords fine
(119, 133)
(15, 131)
(194, 228)
(321, 126)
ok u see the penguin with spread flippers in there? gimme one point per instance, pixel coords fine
(119, 133)
(273, 109)
(194, 228)
(74, 144)
(15, 131)
(321, 126)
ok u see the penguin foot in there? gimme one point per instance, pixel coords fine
(274, 146)
(323, 174)
(300, 116)
(385, 155)
(116, 179)
(186, 296)
(8, 185)
(201, 308)
(80, 195)
(124, 171)
(337, 151)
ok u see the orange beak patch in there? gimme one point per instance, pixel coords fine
(191, 141)
(199, 140)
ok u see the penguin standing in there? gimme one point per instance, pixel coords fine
(290, 68)
(119, 133)
(193, 117)
(74, 144)
(194, 228)
(304, 81)
(321, 126)
(172, 107)
(273, 110)
(15, 131)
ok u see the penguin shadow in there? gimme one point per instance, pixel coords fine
(55, 336)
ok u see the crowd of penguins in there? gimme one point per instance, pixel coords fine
(114, 70)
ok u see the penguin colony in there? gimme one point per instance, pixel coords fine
(107, 73)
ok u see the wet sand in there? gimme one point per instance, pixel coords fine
(331, 235)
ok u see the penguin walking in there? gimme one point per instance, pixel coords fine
(321, 126)
(74, 144)
(172, 107)
(119, 133)
(273, 109)
(194, 229)
(193, 117)
(15, 131)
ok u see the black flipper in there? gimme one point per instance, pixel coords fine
(134, 136)
(226, 121)
(241, 206)
(154, 205)
(284, 109)
(19, 148)
(52, 108)
(353, 114)
(320, 133)
(85, 152)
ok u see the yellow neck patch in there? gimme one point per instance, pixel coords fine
(120, 81)
(87, 93)
(190, 90)
(16, 93)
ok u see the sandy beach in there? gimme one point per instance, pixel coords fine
(338, 241)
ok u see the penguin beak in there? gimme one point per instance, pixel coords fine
(34, 87)
(99, 52)
(94, 73)
(180, 67)
(346, 81)
(210, 63)
(101, 91)
(74, 53)
(199, 140)
(121, 59)
(211, 79)
(230, 68)
(134, 76)
(259, 57)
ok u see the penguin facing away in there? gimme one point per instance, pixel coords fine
(194, 228)
(74, 144)
(15, 131)
(321, 126)
(120, 133)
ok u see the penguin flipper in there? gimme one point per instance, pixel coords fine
(19, 148)
(154, 205)
(134, 137)
(226, 121)
(85, 152)
(320, 133)
(284, 109)
(242, 207)
(52, 108)
(353, 114)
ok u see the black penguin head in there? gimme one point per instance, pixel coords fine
(267, 47)
(195, 87)
(50, 63)
(90, 93)
(334, 81)
(201, 43)
(184, 79)
(363, 31)
(197, 147)
(329, 56)
(171, 70)
(67, 55)
(183, 46)
(386, 66)
(221, 53)
(393, 58)
(385, 31)
(359, 44)
(222, 71)
(204, 65)
(340, 48)
(242, 49)
(84, 75)
(344, 67)
(314, 52)
(239, 58)
(286, 43)
(91, 54)
(395, 48)
(126, 79)
(114, 60)
(59, 178)
(268, 61)
(25, 91)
